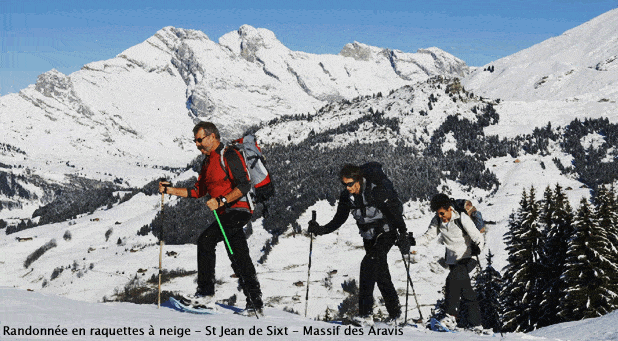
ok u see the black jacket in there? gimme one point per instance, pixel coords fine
(377, 206)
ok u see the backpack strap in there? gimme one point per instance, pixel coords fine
(458, 223)
(222, 162)
(240, 156)
(228, 173)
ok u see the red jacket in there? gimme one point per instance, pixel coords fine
(214, 180)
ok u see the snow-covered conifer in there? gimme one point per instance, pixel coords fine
(589, 275)
(522, 293)
(488, 286)
(557, 218)
(607, 217)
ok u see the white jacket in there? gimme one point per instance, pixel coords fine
(456, 242)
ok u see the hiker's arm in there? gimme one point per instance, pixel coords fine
(431, 233)
(179, 192)
(393, 211)
(472, 231)
(215, 203)
(343, 212)
(199, 189)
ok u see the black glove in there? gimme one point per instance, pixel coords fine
(411, 239)
(403, 242)
(476, 250)
(315, 228)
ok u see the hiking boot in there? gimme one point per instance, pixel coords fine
(250, 312)
(200, 300)
(253, 309)
(449, 322)
(480, 330)
(363, 321)
(394, 321)
(205, 302)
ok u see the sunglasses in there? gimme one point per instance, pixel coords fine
(199, 140)
(348, 184)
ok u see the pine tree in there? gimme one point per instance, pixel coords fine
(589, 275)
(522, 293)
(488, 286)
(557, 218)
(607, 217)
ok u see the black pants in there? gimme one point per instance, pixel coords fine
(374, 269)
(458, 287)
(232, 222)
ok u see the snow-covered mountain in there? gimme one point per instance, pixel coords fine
(579, 65)
(140, 106)
(129, 118)
(571, 75)
(408, 115)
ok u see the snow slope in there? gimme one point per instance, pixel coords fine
(581, 63)
(134, 322)
(568, 76)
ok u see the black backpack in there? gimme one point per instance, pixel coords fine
(373, 173)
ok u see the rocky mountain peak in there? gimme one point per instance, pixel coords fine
(359, 51)
(248, 41)
(53, 83)
(181, 33)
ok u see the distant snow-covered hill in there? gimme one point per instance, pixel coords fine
(568, 76)
(408, 115)
(579, 65)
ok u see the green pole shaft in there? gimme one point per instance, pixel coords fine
(249, 299)
(223, 233)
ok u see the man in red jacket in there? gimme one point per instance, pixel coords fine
(227, 189)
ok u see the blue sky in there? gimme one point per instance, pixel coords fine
(38, 35)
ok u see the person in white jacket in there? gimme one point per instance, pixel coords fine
(459, 234)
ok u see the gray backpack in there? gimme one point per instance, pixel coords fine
(262, 187)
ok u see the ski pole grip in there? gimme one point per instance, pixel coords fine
(313, 215)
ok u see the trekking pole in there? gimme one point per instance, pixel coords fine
(161, 249)
(411, 284)
(249, 298)
(405, 320)
(313, 218)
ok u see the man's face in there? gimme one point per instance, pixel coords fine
(205, 143)
(445, 214)
(351, 185)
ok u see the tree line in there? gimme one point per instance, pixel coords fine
(562, 263)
